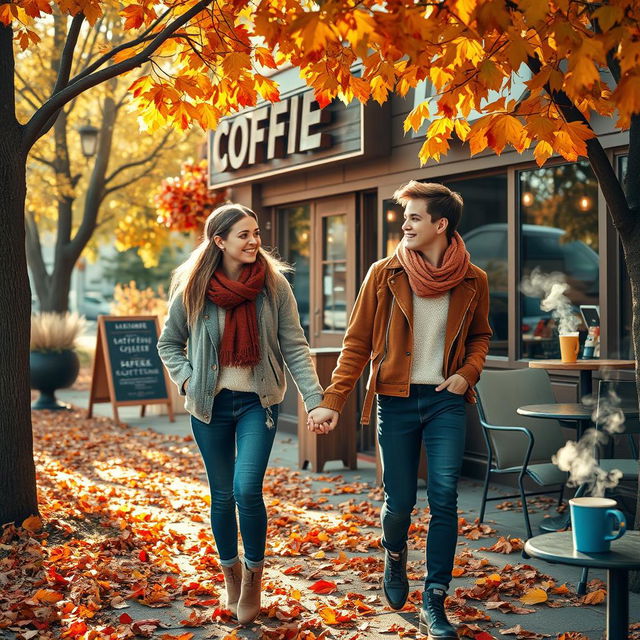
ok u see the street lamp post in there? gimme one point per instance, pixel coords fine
(88, 139)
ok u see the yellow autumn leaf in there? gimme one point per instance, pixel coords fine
(534, 596)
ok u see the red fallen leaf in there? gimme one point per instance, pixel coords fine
(483, 635)
(561, 590)
(293, 571)
(145, 627)
(182, 636)
(323, 587)
(54, 576)
(143, 556)
(572, 635)
(75, 630)
(125, 618)
(469, 630)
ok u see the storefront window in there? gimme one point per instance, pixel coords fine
(294, 225)
(484, 230)
(558, 233)
(626, 343)
(334, 272)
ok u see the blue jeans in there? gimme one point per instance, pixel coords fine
(437, 418)
(235, 448)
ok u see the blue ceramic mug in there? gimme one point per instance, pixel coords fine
(593, 523)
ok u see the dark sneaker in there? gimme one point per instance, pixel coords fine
(395, 584)
(433, 619)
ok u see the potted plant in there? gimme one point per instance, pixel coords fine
(53, 360)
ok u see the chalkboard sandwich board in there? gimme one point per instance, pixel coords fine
(127, 369)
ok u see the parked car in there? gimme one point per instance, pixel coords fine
(541, 247)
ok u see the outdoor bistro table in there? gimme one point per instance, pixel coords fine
(624, 556)
(585, 367)
(581, 415)
(575, 412)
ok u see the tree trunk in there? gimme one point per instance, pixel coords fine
(18, 497)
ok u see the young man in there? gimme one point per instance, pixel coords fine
(421, 319)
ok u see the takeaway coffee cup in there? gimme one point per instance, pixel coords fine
(569, 347)
(594, 522)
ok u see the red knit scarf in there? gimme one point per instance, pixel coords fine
(240, 346)
(428, 281)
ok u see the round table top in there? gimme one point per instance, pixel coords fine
(589, 364)
(558, 547)
(568, 411)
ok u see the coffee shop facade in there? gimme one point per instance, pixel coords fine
(322, 182)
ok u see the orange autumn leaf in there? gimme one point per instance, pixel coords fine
(48, 596)
(32, 523)
(323, 587)
(595, 597)
(534, 596)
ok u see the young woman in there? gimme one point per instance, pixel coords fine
(233, 323)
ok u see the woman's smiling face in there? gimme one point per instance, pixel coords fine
(242, 242)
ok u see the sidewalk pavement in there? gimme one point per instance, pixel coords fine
(547, 619)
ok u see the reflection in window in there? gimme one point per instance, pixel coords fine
(559, 232)
(334, 273)
(484, 230)
(294, 225)
(626, 313)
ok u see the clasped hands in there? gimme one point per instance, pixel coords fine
(322, 420)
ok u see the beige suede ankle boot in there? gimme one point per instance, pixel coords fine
(249, 603)
(232, 584)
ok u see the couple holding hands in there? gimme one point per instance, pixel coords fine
(420, 320)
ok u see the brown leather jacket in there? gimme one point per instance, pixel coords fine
(381, 331)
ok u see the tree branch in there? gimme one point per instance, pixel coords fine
(33, 129)
(143, 37)
(34, 256)
(126, 183)
(632, 183)
(45, 161)
(66, 59)
(141, 161)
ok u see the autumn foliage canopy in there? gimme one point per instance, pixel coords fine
(215, 58)
(184, 202)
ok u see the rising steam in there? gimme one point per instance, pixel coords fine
(550, 287)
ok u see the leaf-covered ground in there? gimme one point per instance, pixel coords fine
(124, 550)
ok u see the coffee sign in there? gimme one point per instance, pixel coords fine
(273, 131)
(287, 136)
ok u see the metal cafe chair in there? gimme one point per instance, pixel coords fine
(518, 444)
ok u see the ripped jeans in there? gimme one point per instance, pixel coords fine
(235, 448)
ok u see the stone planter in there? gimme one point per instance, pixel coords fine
(51, 370)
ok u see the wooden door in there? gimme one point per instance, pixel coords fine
(333, 269)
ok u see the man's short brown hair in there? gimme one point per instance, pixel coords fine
(441, 201)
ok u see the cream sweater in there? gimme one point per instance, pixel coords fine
(233, 378)
(429, 327)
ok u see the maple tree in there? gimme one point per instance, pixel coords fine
(209, 59)
(75, 200)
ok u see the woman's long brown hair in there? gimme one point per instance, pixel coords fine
(192, 277)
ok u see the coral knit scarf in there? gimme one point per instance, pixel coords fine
(428, 281)
(240, 346)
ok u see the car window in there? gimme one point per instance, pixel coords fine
(485, 246)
